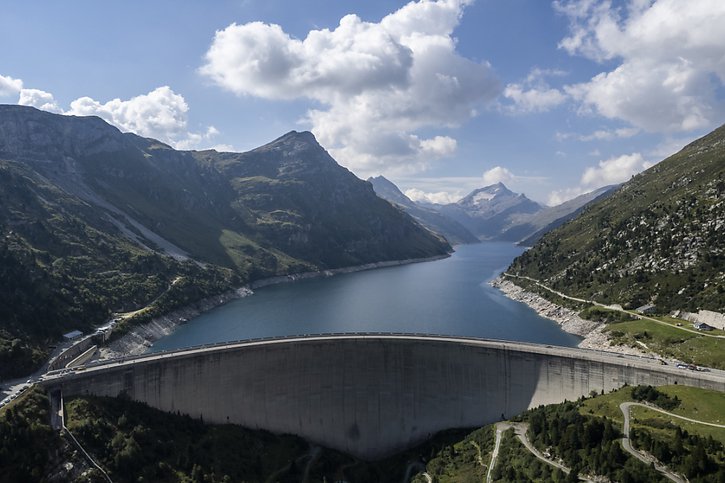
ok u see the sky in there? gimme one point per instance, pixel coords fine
(552, 98)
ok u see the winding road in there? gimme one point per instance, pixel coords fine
(647, 459)
(520, 430)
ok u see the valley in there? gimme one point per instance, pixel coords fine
(189, 248)
(409, 241)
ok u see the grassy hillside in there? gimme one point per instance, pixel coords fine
(659, 239)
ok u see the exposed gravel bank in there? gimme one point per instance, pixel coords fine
(569, 320)
(141, 337)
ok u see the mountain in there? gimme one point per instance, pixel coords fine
(488, 212)
(453, 231)
(93, 220)
(536, 225)
(659, 238)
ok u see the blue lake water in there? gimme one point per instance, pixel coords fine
(449, 296)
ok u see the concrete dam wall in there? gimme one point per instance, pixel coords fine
(368, 395)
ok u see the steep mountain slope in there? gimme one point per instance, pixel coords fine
(453, 231)
(534, 226)
(94, 220)
(660, 238)
(309, 207)
(488, 212)
(64, 265)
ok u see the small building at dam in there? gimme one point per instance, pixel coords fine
(367, 394)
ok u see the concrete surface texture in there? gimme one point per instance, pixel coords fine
(368, 395)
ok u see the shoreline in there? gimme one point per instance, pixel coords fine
(138, 340)
(592, 334)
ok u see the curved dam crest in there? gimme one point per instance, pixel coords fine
(369, 395)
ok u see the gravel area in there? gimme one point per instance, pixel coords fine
(569, 320)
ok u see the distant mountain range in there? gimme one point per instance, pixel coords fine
(93, 220)
(659, 239)
(490, 213)
(453, 231)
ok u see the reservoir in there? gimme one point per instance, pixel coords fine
(448, 297)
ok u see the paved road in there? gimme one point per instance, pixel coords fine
(13, 387)
(610, 307)
(646, 459)
(520, 429)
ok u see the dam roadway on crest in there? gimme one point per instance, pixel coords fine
(368, 394)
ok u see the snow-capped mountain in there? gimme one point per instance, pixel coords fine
(490, 211)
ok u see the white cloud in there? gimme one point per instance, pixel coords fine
(40, 99)
(560, 196)
(607, 134)
(10, 86)
(607, 172)
(600, 134)
(377, 83)
(534, 94)
(497, 174)
(534, 99)
(614, 170)
(669, 61)
(440, 197)
(161, 114)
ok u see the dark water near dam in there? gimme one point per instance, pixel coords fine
(449, 296)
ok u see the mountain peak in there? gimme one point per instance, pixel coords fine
(488, 194)
(294, 142)
(386, 189)
(300, 136)
(382, 180)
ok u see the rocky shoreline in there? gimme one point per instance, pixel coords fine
(591, 332)
(141, 337)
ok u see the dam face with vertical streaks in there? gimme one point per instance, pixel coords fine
(369, 395)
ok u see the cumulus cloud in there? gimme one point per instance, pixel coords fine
(10, 86)
(497, 174)
(439, 197)
(607, 172)
(40, 99)
(377, 83)
(534, 94)
(160, 114)
(614, 170)
(668, 56)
